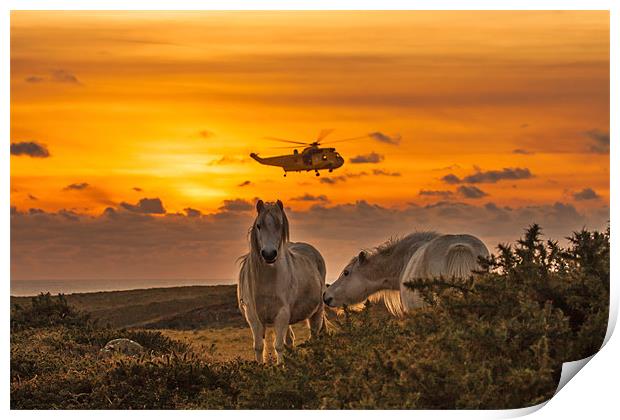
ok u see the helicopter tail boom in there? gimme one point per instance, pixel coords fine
(272, 161)
(256, 158)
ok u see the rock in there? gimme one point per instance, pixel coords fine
(123, 345)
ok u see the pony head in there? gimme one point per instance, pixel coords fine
(270, 230)
(355, 283)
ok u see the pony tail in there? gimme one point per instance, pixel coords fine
(460, 261)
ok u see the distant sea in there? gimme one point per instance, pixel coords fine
(34, 287)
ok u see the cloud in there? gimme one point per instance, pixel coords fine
(342, 178)
(586, 194)
(384, 138)
(228, 160)
(77, 187)
(121, 245)
(445, 168)
(522, 152)
(444, 216)
(451, 179)
(310, 197)
(600, 141)
(29, 148)
(145, 206)
(369, 158)
(190, 212)
(69, 215)
(56, 76)
(64, 76)
(490, 176)
(236, 205)
(333, 180)
(494, 176)
(470, 191)
(355, 174)
(245, 184)
(34, 79)
(381, 172)
(125, 245)
(436, 193)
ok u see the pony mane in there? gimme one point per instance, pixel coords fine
(388, 260)
(403, 244)
(392, 301)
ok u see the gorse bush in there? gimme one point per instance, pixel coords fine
(536, 277)
(497, 340)
(47, 311)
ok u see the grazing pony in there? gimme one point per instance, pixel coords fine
(383, 272)
(280, 282)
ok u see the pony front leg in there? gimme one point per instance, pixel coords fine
(258, 333)
(281, 327)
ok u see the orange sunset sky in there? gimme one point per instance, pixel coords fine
(481, 121)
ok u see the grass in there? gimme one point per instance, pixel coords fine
(229, 343)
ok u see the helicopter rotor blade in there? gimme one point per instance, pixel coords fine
(286, 141)
(324, 133)
(343, 140)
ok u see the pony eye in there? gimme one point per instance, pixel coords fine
(345, 272)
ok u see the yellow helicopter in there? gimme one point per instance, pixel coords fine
(311, 158)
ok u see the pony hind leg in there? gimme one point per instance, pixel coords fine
(316, 322)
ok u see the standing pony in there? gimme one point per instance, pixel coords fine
(384, 271)
(280, 282)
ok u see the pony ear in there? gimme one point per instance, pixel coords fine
(260, 206)
(279, 203)
(361, 257)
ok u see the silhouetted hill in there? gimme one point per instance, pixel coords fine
(190, 307)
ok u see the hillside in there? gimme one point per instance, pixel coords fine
(189, 307)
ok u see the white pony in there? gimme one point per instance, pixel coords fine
(383, 272)
(280, 282)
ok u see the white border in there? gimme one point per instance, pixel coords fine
(593, 394)
(309, 5)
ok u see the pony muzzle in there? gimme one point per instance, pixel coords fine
(269, 256)
(328, 300)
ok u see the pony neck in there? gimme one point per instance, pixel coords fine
(385, 271)
(391, 282)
